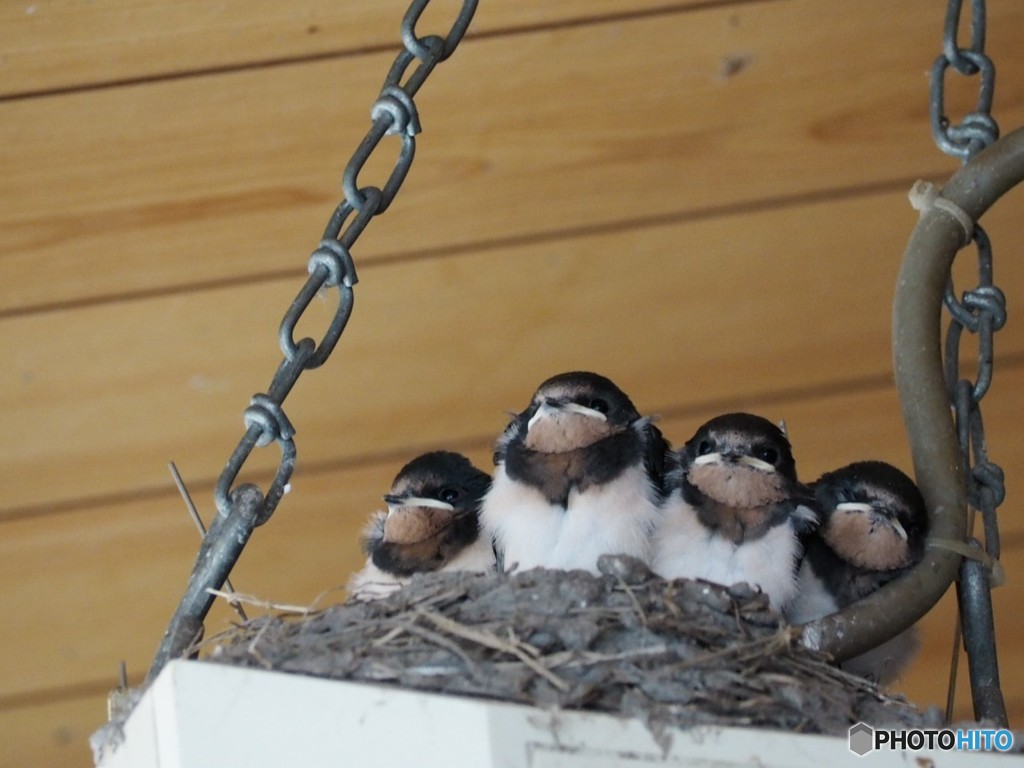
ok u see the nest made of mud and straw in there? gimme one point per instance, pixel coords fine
(671, 653)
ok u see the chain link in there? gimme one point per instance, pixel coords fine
(981, 311)
(977, 129)
(330, 266)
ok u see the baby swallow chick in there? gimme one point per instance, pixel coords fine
(736, 512)
(431, 524)
(873, 529)
(578, 474)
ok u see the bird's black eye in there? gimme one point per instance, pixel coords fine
(599, 405)
(769, 454)
(448, 495)
(703, 448)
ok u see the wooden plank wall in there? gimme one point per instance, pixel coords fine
(704, 200)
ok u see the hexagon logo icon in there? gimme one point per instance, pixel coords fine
(862, 739)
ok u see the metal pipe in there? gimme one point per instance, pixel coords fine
(221, 546)
(917, 360)
(979, 639)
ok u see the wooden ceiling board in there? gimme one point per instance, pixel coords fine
(705, 201)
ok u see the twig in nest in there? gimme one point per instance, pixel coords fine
(194, 514)
(633, 598)
(752, 649)
(252, 647)
(489, 640)
(824, 671)
(668, 596)
(522, 644)
(297, 610)
(390, 635)
(756, 702)
(590, 657)
(233, 633)
(741, 625)
(448, 645)
(436, 598)
(315, 605)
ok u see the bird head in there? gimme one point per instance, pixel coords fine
(740, 461)
(873, 515)
(572, 411)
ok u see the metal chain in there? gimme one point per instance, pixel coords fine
(241, 509)
(982, 312)
(978, 129)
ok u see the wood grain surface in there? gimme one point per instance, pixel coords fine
(705, 201)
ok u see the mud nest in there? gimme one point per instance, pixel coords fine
(671, 653)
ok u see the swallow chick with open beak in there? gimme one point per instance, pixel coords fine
(873, 527)
(736, 512)
(578, 474)
(431, 524)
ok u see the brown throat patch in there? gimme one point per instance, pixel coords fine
(866, 540)
(562, 432)
(742, 499)
(735, 485)
(410, 525)
(420, 556)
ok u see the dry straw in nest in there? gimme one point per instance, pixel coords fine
(671, 653)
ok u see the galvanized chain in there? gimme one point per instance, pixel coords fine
(978, 129)
(982, 312)
(241, 509)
